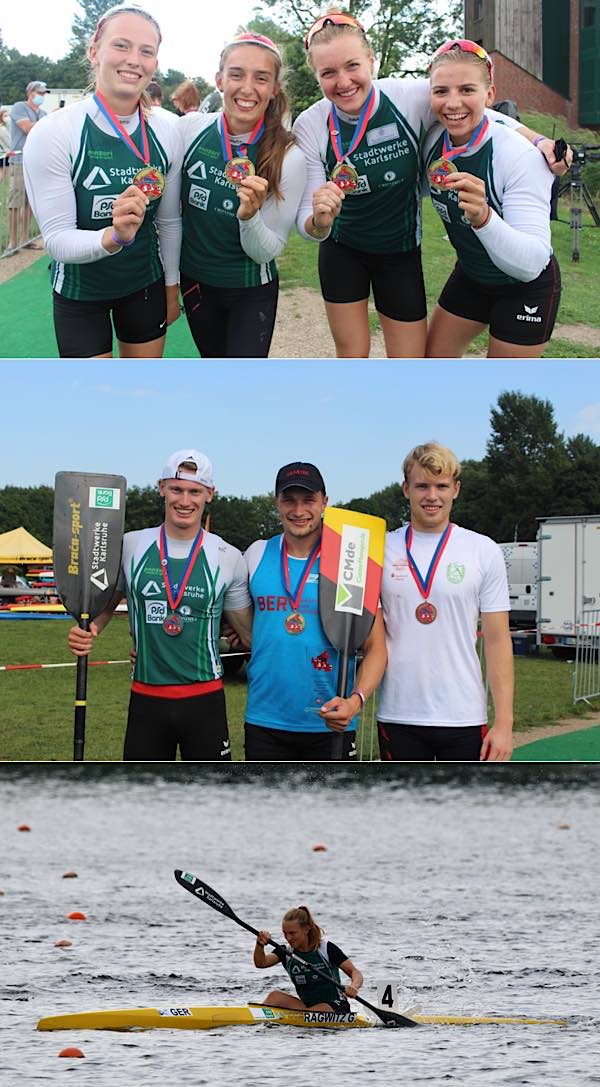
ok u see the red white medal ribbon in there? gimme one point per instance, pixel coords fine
(424, 585)
(175, 601)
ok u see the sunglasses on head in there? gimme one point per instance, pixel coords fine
(335, 18)
(466, 46)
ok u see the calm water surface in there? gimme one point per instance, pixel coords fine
(476, 893)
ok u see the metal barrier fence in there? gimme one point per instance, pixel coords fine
(7, 249)
(586, 677)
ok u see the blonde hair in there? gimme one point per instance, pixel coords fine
(112, 13)
(332, 32)
(434, 458)
(462, 56)
(301, 915)
(276, 138)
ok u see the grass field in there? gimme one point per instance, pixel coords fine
(36, 720)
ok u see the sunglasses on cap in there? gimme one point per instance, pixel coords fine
(466, 46)
(335, 18)
(125, 9)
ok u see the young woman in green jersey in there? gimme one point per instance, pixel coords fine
(242, 181)
(305, 939)
(102, 177)
(362, 144)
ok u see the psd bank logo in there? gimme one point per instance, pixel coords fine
(156, 611)
(102, 206)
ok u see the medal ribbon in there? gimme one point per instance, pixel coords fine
(254, 137)
(285, 573)
(361, 127)
(450, 152)
(424, 586)
(175, 601)
(121, 132)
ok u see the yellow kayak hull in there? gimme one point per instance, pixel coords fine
(135, 1019)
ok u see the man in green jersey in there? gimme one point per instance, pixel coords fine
(179, 581)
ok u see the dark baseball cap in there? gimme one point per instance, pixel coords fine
(299, 474)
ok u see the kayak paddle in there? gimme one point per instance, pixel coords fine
(89, 518)
(212, 898)
(350, 570)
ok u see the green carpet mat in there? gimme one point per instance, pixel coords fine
(582, 746)
(27, 325)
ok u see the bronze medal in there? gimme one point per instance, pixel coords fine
(237, 169)
(345, 176)
(426, 613)
(437, 173)
(150, 181)
(173, 625)
(295, 623)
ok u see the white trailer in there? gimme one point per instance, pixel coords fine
(521, 560)
(569, 578)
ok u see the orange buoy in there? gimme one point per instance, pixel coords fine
(76, 915)
(564, 826)
(319, 848)
(23, 827)
(63, 943)
(71, 1051)
(69, 875)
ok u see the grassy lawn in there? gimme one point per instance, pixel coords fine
(36, 722)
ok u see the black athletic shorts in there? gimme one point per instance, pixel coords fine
(424, 743)
(84, 329)
(157, 726)
(519, 313)
(347, 275)
(230, 322)
(278, 745)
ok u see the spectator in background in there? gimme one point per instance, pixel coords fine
(154, 90)
(4, 141)
(23, 116)
(186, 97)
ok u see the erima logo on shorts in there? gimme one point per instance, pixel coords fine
(102, 206)
(198, 197)
(529, 315)
(96, 179)
(156, 611)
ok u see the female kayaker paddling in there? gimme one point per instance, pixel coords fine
(305, 939)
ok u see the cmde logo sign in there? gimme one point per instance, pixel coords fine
(102, 206)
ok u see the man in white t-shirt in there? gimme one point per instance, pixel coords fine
(438, 581)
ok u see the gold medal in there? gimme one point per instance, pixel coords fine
(426, 613)
(173, 625)
(345, 176)
(150, 181)
(295, 623)
(437, 173)
(237, 169)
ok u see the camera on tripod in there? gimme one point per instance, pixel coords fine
(579, 194)
(584, 152)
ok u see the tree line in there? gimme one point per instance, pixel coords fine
(403, 34)
(529, 470)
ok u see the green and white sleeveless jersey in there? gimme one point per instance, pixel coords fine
(217, 248)
(515, 245)
(74, 169)
(218, 581)
(312, 988)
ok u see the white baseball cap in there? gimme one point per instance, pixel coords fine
(204, 468)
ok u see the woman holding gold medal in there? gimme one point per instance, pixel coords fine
(362, 144)
(102, 178)
(492, 192)
(242, 181)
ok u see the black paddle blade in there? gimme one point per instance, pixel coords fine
(394, 1019)
(89, 518)
(202, 891)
